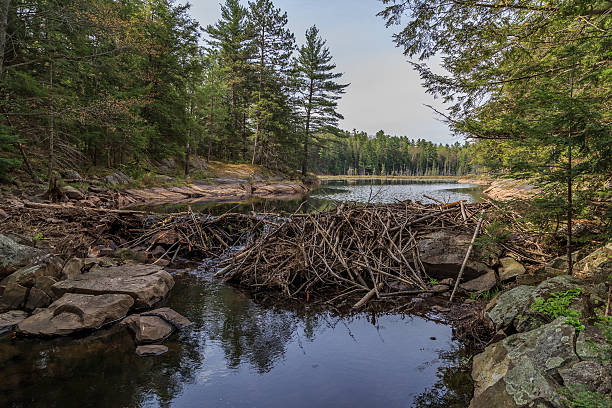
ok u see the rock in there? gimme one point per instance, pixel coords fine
(440, 309)
(168, 164)
(3, 214)
(443, 252)
(151, 350)
(71, 174)
(590, 375)
(37, 299)
(169, 315)
(147, 284)
(9, 320)
(148, 329)
(448, 282)
(117, 178)
(14, 255)
(510, 269)
(596, 266)
(76, 312)
(45, 284)
(480, 284)
(27, 276)
(14, 297)
(520, 370)
(72, 193)
(592, 344)
(440, 288)
(73, 268)
(503, 309)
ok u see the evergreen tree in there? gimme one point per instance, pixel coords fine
(319, 89)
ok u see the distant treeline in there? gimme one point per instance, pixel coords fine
(357, 154)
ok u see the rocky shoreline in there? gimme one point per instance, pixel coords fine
(503, 189)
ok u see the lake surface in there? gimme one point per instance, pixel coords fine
(332, 192)
(241, 354)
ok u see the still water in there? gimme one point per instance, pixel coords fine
(332, 192)
(241, 354)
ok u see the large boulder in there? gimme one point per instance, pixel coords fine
(147, 284)
(481, 283)
(596, 266)
(151, 350)
(510, 269)
(72, 193)
(116, 179)
(513, 308)
(14, 297)
(11, 319)
(14, 255)
(76, 312)
(522, 370)
(590, 375)
(171, 316)
(442, 254)
(37, 298)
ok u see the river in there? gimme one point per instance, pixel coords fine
(241, 354)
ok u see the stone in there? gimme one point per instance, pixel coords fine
(448, 282)
(440, 288)
(72, 193)
(148, 329)
(480, 284)
(3, 214)
(147, 284)
(27, 276)
(10, 319)
(37, 299)
(521, 370)
(151, 350)
(171, 316)
(592, 344)
(14, 256)
(597, 266)
(590, 375)
(71, 174)
(503, 309)
(73, 268)
(510, 269)
(45, 284)
(76, 312)
(14, 297)
(442, 254)
(117, 178)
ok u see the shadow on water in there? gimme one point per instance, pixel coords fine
(240, 354)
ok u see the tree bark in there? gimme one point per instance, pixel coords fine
(307, 136)
(51, 157)
(4, 9)
(570, 204)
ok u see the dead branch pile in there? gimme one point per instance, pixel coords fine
(81, 232)
(354, 251)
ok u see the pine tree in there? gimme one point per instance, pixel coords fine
(318, 87)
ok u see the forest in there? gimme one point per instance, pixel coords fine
(121, 84)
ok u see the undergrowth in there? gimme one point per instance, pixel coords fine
(557, 305)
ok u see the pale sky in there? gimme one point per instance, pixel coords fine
(385, 92)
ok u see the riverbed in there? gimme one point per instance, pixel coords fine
(242, 354)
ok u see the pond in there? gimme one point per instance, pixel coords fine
(239, 354)
(332, 192)
(242, 354)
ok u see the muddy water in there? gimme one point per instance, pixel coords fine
(238, 354)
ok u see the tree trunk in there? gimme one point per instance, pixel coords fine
(187, 151)
(570, 263)
(211, 127)
(261, 68)
(307, 136)
(51, 157)
(4, 9)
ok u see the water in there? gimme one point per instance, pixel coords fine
(330, 193)
(239, 354)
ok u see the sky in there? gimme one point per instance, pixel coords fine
(385, 92)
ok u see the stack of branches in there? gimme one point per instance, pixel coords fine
(196, 235)
(351, 252)
(80, 231)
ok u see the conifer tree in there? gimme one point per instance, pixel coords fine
(319, 89)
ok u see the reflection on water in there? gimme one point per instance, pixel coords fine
(329, 193)
(239, 354)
